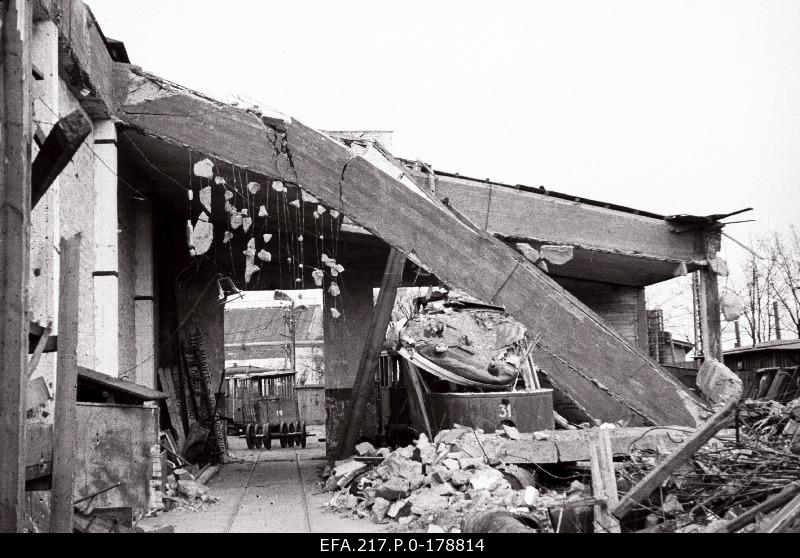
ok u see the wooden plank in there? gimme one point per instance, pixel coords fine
(165, 377)
(663, 470)
(783, 519)
(418, 393)
(65, 414)
(710, 314)
(37, 353)
(15, 160)
(604, 482)
(365, 376)
(585, 358)
(112, 384)
(64, 140)
(767, 506)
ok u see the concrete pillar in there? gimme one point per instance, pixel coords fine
(45, 229)
(344, 341)
(106, 264)
(144, 299)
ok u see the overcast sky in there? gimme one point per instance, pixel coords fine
(671, 107)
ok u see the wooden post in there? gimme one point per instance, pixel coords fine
(64, 417)
(663, 470)
(710, 326)
(604, 483)
(15, 210)
(365, 377)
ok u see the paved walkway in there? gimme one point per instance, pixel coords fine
(266, 491)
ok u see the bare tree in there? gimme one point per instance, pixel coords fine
(784, 283)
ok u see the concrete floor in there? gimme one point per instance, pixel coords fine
(267, 491)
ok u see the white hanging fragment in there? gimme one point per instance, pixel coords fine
(308, 197)
(203, 235)
(298, 280)
(295, 203)
(190, 238)
(333, 290)
(334, 273)
(316, 215)
(236, 220)
(262, 211)
(254, 188)
(219, 180)
(227, 238)
(300, 238)
(251, 248)
(334, 214)
(267, 238)
(246, 223)
(205, 198)
(245, 212)
(335, 313)
(278, 186)
(265, 256)
(229, 209)
(249, 269)
(339, 268)
(228, 194)
(321, 209)
(190, 194)
(204, 169)
(318, 275)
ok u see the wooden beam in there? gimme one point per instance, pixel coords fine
(587, 360)
(15, 182)
(65, 414)
(37, 353)
(783, 519)
(416, 393)
(710, 314)
(770, 504)
(663, 470)
(365, 377)
(64, 140)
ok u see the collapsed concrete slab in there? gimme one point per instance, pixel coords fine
(608, 378)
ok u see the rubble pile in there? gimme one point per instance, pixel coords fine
(730, 475)
(434, 486)
(185, 489)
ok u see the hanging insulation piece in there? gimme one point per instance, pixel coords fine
(265, 256)
(249, 269)
(203, 234)
(190, 195)
(246, 223)
(219, 180)
(318, 275)
(254, 188)
(298, 280)
(278, 186)
(295, 203)
(190, 238)
(245, 212)
(262, 211)
(229, 209)
(267, 238)
(328, 261)
(300, 238)
(339, 268)
(333, 290)
(204, 169)
(334, 273)
(316, 215)
(228, 195)
(335, 214)
(236, 220)
(335, 313)
(251, 248)
(227, 238)
(205, 198)
(321, 209)
(308, 198)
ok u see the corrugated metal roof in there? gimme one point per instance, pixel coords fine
(258, 325)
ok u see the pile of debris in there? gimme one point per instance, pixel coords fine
(745, 478)
(434, 486)
(183, 487)
(735, 481)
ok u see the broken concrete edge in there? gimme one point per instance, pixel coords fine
(718, 383)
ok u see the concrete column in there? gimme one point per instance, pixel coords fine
(45, 229)
(144, 299)
(106, 264)
(344, 341)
